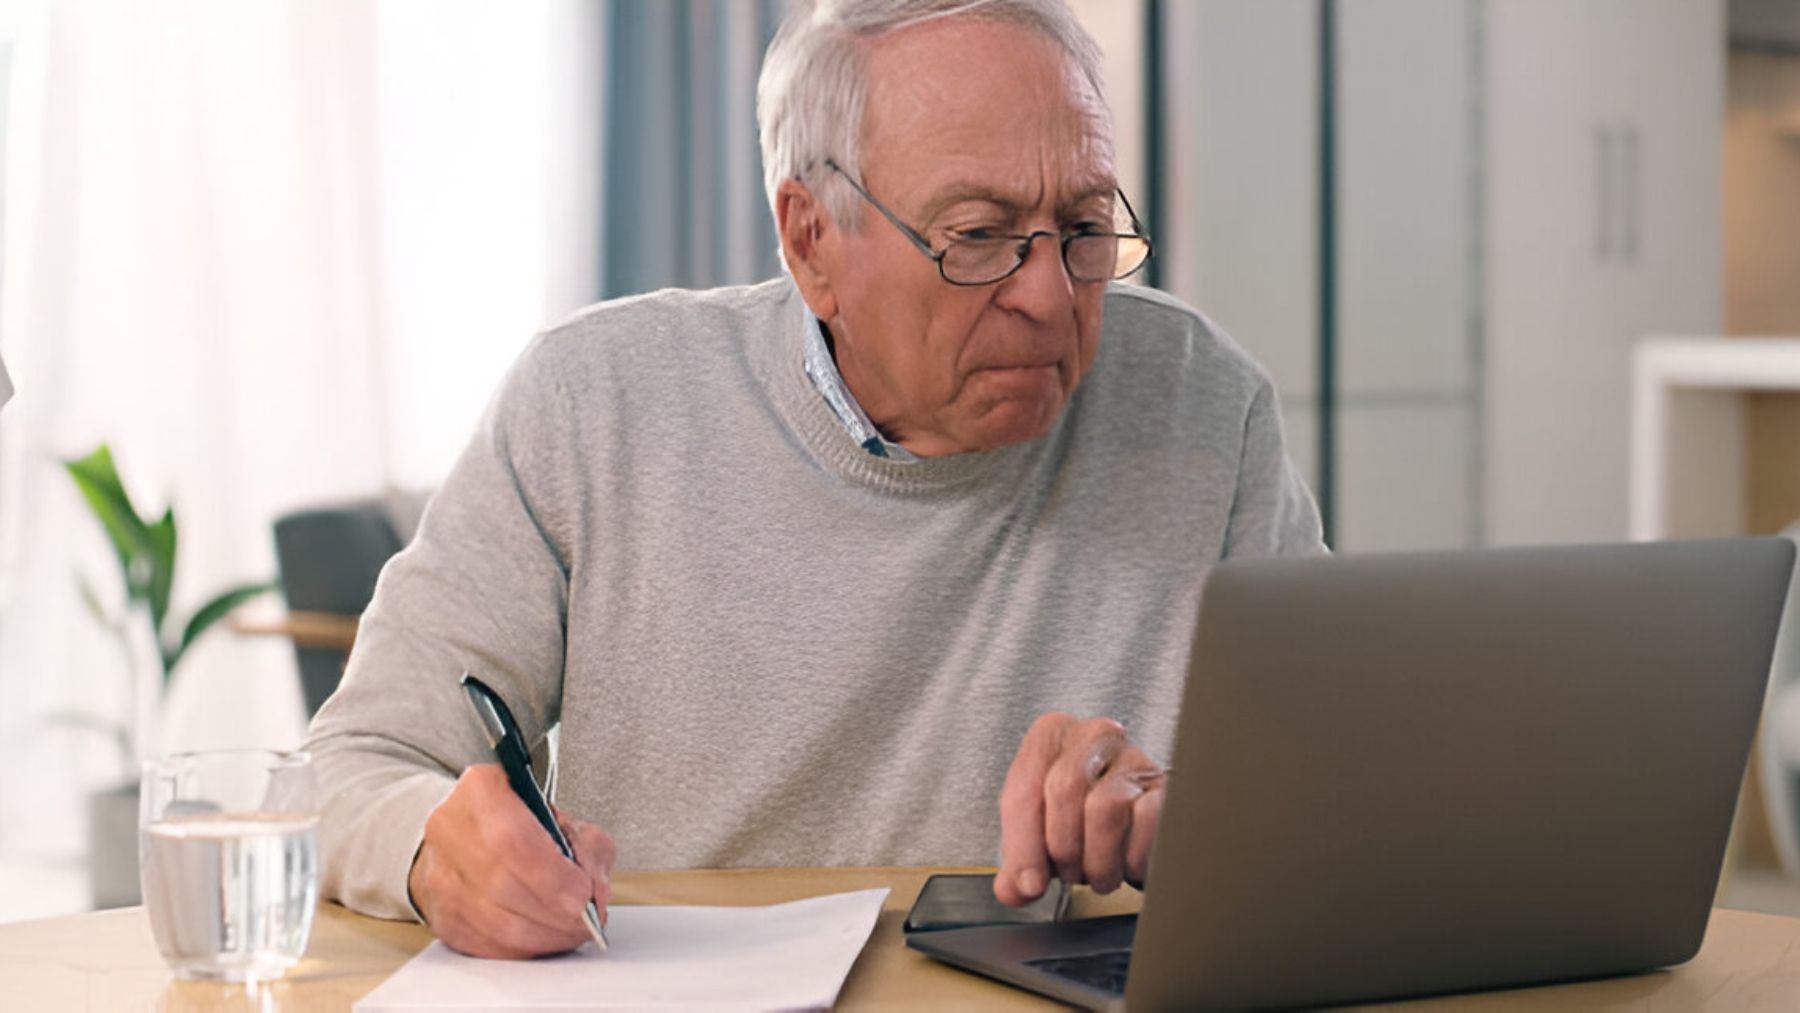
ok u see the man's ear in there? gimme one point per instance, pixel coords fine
(808, 243)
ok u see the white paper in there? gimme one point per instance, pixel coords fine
(786, 956)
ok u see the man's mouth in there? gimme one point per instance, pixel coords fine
(1020, 366)
(1022, 378)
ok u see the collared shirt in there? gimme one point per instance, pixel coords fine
(823, 372)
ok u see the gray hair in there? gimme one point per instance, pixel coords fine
(810, 97)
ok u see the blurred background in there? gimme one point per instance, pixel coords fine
(276, 255)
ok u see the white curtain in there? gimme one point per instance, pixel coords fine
(191, 266)
(684, 202)
(488, 146)
(277, 253)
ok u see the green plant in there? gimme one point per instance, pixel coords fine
(146, 553)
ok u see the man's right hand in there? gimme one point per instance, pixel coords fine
(491, 883)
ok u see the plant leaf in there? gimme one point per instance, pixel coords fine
(113, 625)
(91, 599)
(162, 573)
(99, 483)
(212, 612)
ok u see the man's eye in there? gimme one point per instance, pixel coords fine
(976, 234)
(1089, 228)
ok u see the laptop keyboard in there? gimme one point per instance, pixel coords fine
(1103, 971)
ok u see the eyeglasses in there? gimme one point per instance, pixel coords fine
(1087, 255)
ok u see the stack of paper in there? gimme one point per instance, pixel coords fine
(788, 956)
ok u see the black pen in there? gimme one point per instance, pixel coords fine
(515, 759)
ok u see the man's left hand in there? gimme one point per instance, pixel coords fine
(1080, 803)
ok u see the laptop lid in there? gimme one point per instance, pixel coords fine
(1407, 774)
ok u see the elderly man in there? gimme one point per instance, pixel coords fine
(811, 573)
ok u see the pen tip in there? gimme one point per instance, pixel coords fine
(592, 916)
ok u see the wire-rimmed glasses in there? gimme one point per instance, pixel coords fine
(1088, 255)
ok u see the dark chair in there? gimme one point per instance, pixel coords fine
(329, 558)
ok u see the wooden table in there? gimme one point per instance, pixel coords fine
(107, 961)
(332, 631)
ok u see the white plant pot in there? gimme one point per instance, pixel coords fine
(113, 847)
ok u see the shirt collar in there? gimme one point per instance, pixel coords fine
(830, 384)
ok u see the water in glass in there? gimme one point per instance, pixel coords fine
(231, 895)
(229, 859)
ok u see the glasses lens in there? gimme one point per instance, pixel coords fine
(979, 261)
(1091, 258)
(1132, 253)
(1105, 257)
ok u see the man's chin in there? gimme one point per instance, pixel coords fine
(1015, 420)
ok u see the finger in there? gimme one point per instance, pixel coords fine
(486, 929)
(1024, 864)
(529, 875)
(1146, 813)
(594, 847)
(595, 850)
(1088, 750)
(490, 930)
(1107, 820)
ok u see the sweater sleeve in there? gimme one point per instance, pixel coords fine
(483, 588)
(1272, 511)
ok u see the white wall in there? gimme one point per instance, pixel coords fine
(1118, 28)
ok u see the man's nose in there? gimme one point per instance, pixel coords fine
(1041, 287)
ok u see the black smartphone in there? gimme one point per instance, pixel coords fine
(956, 900)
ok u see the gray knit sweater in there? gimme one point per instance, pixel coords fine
(764, 645)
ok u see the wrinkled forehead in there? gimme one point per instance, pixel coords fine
(961, 101)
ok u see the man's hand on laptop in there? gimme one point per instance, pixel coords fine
(491, 883)
(1081, 803)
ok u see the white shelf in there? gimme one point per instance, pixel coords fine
(1687, 441)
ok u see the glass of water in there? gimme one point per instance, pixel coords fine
(229, 857)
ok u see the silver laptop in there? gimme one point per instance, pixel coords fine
(1413, 774)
